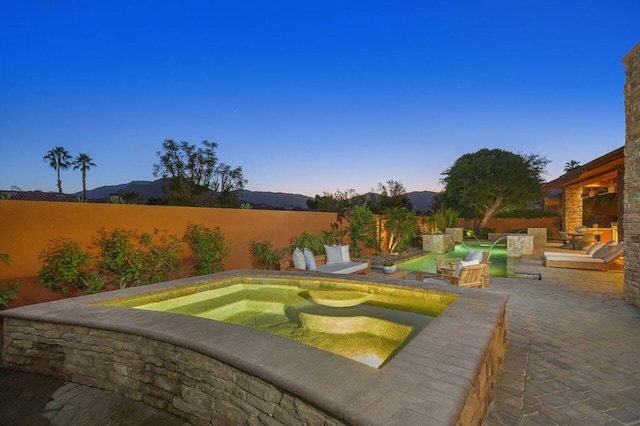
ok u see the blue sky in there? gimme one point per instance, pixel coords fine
(309, 97)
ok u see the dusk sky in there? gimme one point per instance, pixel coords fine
(309, 97)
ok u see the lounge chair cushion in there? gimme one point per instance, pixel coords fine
(334, 254)
(473, 255)
(464, 263)
(594, 247)
(299, 262)
(310, 259)
(617, 250)
(603, 251)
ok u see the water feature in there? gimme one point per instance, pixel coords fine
(500, 264)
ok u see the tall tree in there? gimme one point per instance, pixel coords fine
(59, 159)
(486, 182)
(84, 163)
(190, 172)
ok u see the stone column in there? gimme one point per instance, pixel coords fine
(620, 196)
(572, 208)
(631, 219)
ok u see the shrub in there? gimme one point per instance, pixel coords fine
(208, 247)
(265, 255)
(136, 259)
(526, 213)
(9, 292)
(316, 242)
(62, 264)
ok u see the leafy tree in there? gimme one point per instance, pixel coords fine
(402, 227)
(362, 229)
(84, 163)
(570, 165)
(486, 182)
(59, 159)
(390, 195)
(190, 172)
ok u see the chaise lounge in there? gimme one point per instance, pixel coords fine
(606, 258)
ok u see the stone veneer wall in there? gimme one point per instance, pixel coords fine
(572, 209)
(193, 386)
(631, 219)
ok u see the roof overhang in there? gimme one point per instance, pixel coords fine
(601, 169)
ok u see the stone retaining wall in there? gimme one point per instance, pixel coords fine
(183, 382)
(631, 218)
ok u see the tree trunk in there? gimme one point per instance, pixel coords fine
(84, 184)
(59, 181)
(491, 211)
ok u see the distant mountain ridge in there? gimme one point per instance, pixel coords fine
(421, 200)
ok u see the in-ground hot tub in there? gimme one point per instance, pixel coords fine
(214, 372)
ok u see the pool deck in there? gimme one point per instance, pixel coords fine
(574, 359)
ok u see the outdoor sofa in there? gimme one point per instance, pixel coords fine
(336, 260)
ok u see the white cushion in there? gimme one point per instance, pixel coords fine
(464, 263)
(614, 253)
(343, 268)
(345, 254)
(473, 255)
(333, 253)
(594, 247)
(603, 251)
(299, 261)
(309, 259)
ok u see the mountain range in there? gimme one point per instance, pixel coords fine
(421, 200)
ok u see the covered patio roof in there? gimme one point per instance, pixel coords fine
(597, 173)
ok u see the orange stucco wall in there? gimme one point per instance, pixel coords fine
(26, 227)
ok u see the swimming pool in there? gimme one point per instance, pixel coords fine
(501, 265)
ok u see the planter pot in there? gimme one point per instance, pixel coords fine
(389, 269)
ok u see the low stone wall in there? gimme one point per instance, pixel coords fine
(181, 381)
(210, 372)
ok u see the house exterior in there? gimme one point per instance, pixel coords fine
(591, 194)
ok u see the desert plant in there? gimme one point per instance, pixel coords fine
(137, 259)
(208, 247)
(63, 261)
(265, 255)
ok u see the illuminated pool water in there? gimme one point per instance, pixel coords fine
(366, 327)
(501, 265)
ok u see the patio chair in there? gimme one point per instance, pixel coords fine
(566, 240)
(447, 267)
(476, 275)
(587, 240)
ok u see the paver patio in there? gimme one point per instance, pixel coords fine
(574, 359)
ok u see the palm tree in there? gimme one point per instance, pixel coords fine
(59, 159)
(84, 163)
(570, 165)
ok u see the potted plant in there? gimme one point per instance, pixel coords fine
(389, 267)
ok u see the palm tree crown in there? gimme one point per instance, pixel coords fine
(59, 159)
(84, 163)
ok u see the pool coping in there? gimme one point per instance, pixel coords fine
(428, 381)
